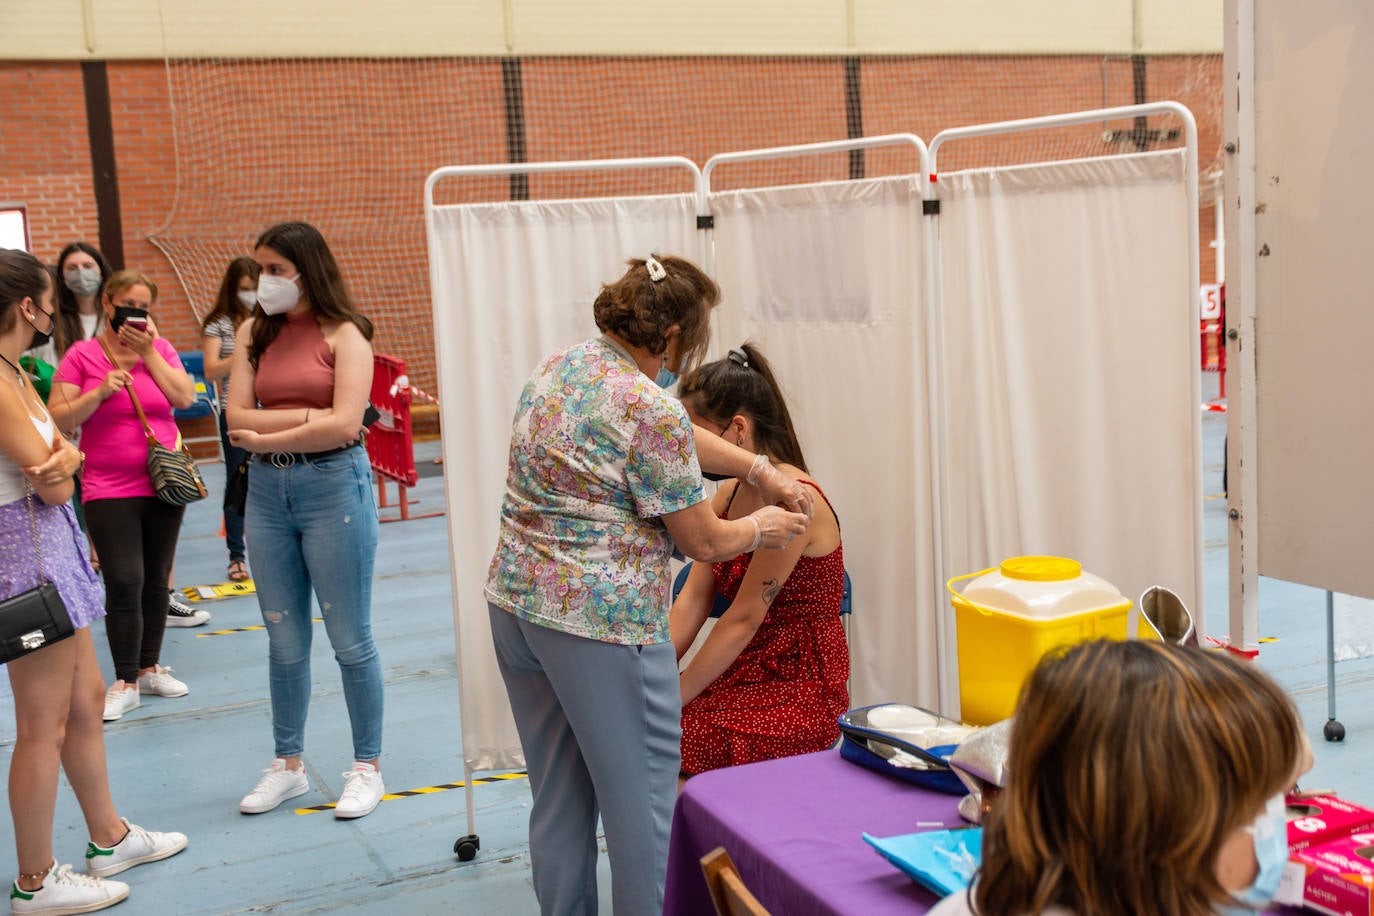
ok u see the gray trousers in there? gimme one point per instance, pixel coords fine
(601, 726)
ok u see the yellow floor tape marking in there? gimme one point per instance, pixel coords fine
(258, 626)
(219, 590)
(427, 790)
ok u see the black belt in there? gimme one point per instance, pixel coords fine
(289, 459)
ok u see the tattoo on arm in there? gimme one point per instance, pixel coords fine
(771, 587)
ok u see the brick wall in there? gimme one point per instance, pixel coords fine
(259, 145)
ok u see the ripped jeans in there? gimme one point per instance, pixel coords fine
(315, 523)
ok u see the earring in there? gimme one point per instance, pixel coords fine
(739, 440)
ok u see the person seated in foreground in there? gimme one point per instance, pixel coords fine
(769, 680)
(1142, 778)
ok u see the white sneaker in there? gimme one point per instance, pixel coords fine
(119, 699)
(276, 786)
(181, 614)
(137, 847)
(362, 791)
(161, 683)
(64, 891)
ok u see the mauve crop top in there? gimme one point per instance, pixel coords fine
(297, 370)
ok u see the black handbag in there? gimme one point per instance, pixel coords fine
(35, 618)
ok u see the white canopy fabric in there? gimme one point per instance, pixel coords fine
(512, 282)
(827, 280)
(1072, 425)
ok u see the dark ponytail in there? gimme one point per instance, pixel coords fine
(743, 383)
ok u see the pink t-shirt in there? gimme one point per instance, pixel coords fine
(112, 437)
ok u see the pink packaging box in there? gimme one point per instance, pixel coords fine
(1339, 876)
(1312, 821)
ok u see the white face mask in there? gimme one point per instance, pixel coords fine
(248, 298)
(84, 281)
(277, 295)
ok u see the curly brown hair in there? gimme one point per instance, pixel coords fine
(640, 310)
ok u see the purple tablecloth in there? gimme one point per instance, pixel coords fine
(793, 828)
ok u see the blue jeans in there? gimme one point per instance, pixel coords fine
(233, 522)
(315, 523)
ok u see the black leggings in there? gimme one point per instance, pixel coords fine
(136, 538)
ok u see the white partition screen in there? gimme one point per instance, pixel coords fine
(827, 280)
(1071, 414)
(512, 282)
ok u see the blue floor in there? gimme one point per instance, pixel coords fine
(184, 763)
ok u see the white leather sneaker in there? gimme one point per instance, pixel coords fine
(276, 786)
(65, 891)
(161, 683)
(362, 791)
(119, 699)
(137, 847)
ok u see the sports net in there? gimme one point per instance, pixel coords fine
(347, 144)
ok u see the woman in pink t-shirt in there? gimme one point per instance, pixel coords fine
(134, 531)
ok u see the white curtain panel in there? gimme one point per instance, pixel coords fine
(827, 280)
(511, 283)
(1072, 422)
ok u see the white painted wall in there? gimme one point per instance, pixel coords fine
(75, 29)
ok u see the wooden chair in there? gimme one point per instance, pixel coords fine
(728, 892)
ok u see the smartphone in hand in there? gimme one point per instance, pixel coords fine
(138, 324)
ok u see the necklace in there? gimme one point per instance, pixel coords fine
(17, 371)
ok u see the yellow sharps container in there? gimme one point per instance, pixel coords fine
(1009, 616)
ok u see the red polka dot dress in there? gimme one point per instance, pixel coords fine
(782, 695)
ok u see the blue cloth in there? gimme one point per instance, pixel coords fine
(942, 860)
(600, 726)
(315, 524)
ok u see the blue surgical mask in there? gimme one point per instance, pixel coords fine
(1270, 834)
(666, 377)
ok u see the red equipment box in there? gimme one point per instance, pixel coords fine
(1313, 821)
(1339, 876)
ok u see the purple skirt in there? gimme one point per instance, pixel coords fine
(65, 562)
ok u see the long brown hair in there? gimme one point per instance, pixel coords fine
(321, 284)
(1131, 764)
(22, 276)
(227, 304)
(68, 330)
(744, 383)
(640, 310)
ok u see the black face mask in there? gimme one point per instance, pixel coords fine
(710, 475)
(123, 313)
(40, 338)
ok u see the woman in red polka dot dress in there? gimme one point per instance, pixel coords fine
(770, 678)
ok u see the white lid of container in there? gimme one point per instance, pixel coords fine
(1042, 587)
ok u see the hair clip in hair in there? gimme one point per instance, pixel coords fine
(656, 270)
(736, 355)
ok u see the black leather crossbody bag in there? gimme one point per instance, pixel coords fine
(37, 617)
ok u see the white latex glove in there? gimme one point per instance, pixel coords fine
(777, 487)
(775, 527)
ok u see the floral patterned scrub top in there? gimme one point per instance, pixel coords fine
(598, 452)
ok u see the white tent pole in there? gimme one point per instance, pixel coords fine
(1193, 292)
(582, 165)
(1242, 444)
(812, 149)
(947, 647)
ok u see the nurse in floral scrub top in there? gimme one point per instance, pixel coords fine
(604, 479)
